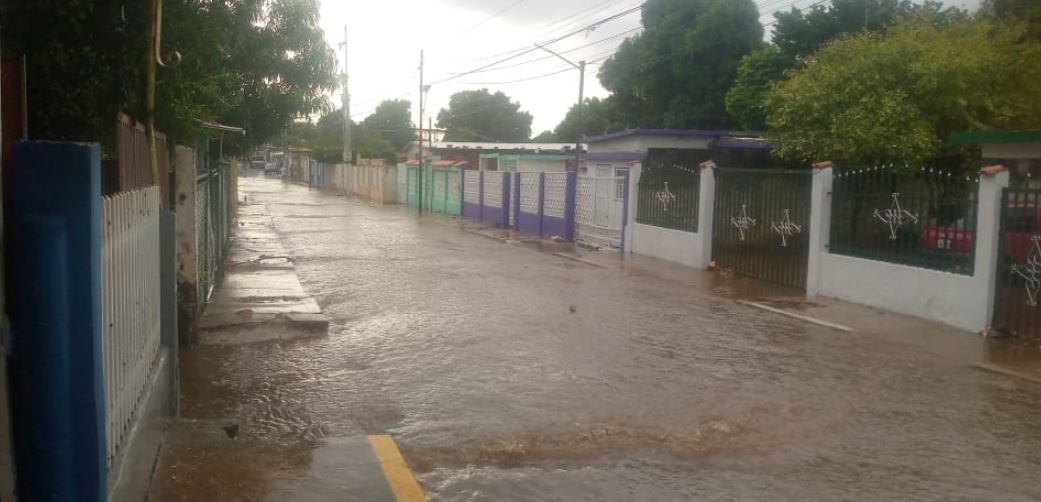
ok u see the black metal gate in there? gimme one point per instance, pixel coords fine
(761, 226)
(1017, 307)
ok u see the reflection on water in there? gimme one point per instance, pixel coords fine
(657, 387)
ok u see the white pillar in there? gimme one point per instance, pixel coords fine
(634, 197)
(993, 181)
(820, 224)
(706, 213)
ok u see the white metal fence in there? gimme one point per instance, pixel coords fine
(555, 194)
(130, 306)
(599, 202)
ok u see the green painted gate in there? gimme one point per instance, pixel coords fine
(442, 189)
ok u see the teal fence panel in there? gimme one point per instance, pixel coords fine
(413, 187)
(454, 187)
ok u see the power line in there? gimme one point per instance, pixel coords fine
(493, 16)
(543, 34)
(562, 37)
(543, 58)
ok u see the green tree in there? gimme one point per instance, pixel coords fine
(1027, 12)
(599, 117)
(677, 71)
(483, 116)
(371, 139)
(895, 98)
(545, 137)
(758, 70)
(254, 63)
(393, 120)
(798, 33)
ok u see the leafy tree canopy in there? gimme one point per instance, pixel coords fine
(393, 120)
(545, 137)
(599, 117)
(483, 116)
(250, 63)
(678, 70)
(758, 69)
(374, 138)
(1027, 12)
(895, 98)
(798, 33)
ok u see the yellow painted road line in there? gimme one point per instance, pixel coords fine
(398, 475)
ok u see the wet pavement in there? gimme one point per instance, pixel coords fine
(507, 373)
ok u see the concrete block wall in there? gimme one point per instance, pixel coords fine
(965, 302)
(692, 249)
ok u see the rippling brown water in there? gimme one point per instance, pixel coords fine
(658, 387)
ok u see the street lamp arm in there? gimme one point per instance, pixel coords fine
(566, 60)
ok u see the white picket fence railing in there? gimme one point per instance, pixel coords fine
(130, 306)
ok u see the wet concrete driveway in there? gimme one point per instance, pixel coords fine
(509, 374)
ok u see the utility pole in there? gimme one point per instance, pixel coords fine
(348, 151)
(155, 57)
(581, 112)
(581, 67)
(419, 175)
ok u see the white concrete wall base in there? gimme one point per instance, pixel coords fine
(671, 245)
(955, 300)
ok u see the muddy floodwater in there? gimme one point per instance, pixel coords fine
(510, 374)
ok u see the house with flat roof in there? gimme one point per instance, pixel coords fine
(504, 156)
(1019, 151)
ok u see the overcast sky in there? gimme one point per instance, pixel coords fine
(386, 36)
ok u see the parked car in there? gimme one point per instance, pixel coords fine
(951, 236)
(1023, 222)
(257, 162)
(950, 230)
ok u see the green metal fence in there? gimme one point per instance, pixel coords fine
(919, 217)
(668, 196)
(413, 187)
(213, 217)
(442, 190)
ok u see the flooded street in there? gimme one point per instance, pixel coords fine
(509, 374)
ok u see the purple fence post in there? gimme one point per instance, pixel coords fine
(506, 199)
(625, 209)
(480, 197)
(569, 205)
(516, 200)
(462, 192)
(542, 203)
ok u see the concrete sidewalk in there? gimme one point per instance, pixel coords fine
(260, 297)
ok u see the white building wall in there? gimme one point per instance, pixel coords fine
(541, 166)
(1012, 151)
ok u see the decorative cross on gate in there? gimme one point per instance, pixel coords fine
(743, 222)
(786, 228)
(895, 216)
(1031, 271)
(665, 197)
